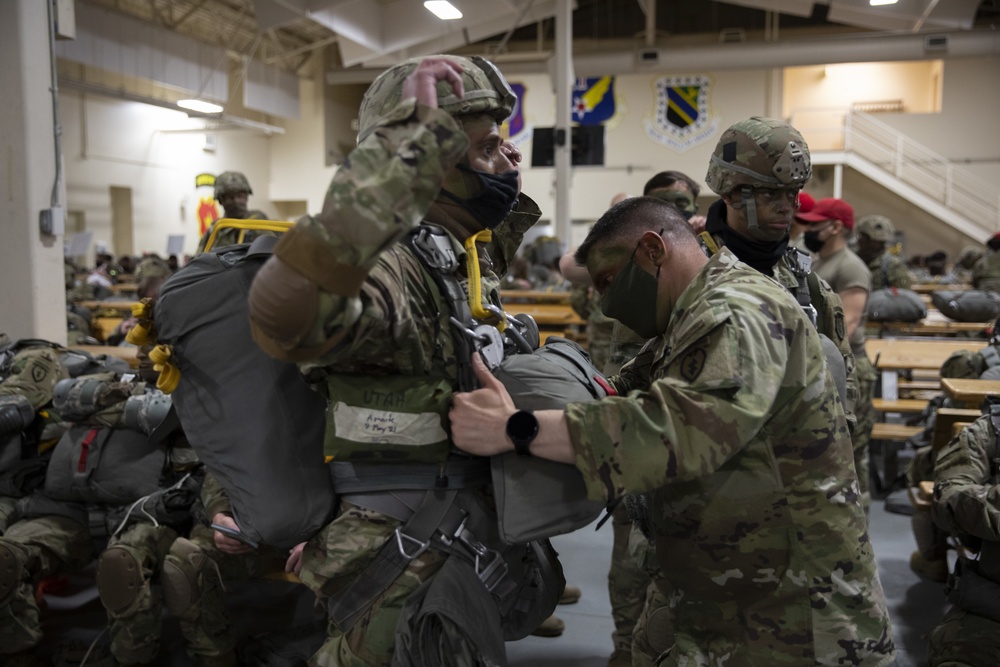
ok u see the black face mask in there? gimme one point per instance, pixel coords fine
(813, 242)
(496, 199)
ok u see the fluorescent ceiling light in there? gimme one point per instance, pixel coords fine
(443, 9)
(200, 106)
(876, 3)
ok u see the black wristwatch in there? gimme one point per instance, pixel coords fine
(522, 427)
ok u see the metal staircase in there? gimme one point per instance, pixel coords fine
(855, 139)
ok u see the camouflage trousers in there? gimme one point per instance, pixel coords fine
(7, 507)
(964, 640)
(654, 632)
(627, 581)
(865, 413)
(30, 550)
(205, 621)
(335, 557)
(135, 620)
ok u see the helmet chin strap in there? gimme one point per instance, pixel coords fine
(750, 206)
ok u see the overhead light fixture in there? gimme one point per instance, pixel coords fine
(876, 3)
(443, 9)
(200, 106)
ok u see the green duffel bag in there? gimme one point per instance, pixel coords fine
(893, 304)
(967, 305)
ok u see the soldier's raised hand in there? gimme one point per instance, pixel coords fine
(422, 82)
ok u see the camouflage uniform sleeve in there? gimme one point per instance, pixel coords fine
(580, 300)
(381, 192)
(899, 275)
(214, 497)
(711, 399)
(965, 498)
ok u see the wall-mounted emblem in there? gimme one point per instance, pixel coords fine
(682, 118)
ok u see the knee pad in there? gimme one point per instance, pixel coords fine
(11, 571)
(660, 630)
(119, 578)
(182, 570)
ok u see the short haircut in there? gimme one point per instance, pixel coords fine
(665, 179)
(627, 220)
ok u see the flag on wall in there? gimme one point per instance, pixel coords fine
(682, 117)
(593, 100)
(514, 125)
(208, 210)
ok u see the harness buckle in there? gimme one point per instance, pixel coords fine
(421, 546)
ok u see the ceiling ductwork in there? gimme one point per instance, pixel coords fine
(385, 32)
(910, 15)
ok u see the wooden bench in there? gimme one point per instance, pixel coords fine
(946, 421)
(934, 324)
(894, 432)
(901, 405)
(970, 390)
(510, 296)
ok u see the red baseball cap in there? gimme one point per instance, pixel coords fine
(829, 208)
(806, 202)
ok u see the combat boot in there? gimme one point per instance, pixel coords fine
(570, 595)
(931, 570)
(553, 626)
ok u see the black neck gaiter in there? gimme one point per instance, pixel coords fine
(761, 255)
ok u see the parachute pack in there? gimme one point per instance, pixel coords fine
(967, 305)
(893, 304)
(254, 422)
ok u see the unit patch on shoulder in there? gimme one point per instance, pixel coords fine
(692, 363)
(840, 326)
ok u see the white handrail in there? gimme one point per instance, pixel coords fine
(901, 156)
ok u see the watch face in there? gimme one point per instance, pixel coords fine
(522, 426)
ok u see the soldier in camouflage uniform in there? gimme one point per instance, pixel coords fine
(758, 168)
(28, 375)
(346, 297)
(54, 534)
(986, 272)
(887, 269)
(731, 418)
(966, 478)
(195, 571)
(967, 258)
(232, 190)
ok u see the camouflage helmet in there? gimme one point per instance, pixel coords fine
(963, 364)
(231, 181)
(486, 91)
(970, 255)
(759, 152)
(877, 228)
(151, 267)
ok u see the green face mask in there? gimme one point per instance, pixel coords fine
(631, 299)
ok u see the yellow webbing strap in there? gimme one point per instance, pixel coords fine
(170, 375)
(278, 226)
(142, 332)
(709, 242)
(475, 279)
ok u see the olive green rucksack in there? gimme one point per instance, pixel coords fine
(967, 305)
(893, 304)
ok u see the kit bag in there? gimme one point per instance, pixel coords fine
(105, 466)
(537, 498)
(253, 420)
(893, 304)
(967, 305)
